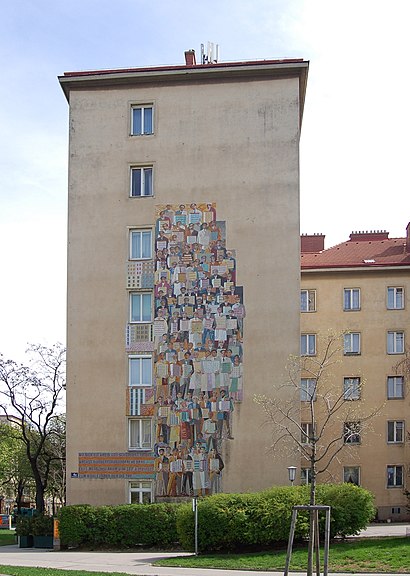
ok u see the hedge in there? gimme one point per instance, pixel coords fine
(225, 521)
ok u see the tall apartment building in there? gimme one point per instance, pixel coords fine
(183, 273)
(360, 288)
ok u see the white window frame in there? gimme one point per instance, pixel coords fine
(395, 432)
(395, 476)
(351, 344)
(308, 300)
(307, 432)
(139, 320)
(351, 388)
(352, 433)
(305, 476)
(145, 172)
(348, 470)
(143, 108)
(395, 387)
(131, 360)
(139, 487)
(308, 344)
(351, 299)
(141, 444)
(395, 298)
(395, 342)
(140, 232)
(308, 389)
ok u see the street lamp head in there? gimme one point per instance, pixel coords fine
(292, 473)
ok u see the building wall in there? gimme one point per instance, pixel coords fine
(373, 365)
(234, 144)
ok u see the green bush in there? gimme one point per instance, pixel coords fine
(118, 526)
(24, 526)
(234, 521)
(42, 525)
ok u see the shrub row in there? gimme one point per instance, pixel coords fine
(225, 521)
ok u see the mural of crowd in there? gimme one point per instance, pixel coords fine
(198, 328)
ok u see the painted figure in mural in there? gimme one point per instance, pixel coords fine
(215, 465)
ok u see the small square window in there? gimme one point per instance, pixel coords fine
(395, 342)
(395, 432)
(307, 389)
(140, 307)
(139, 434)
(351, 388)
(351, 475)
(308, 344)
(140, 371)
(395, 298)
(308, 300)
(142, 120)
(394, 476)
(140, 492)
(141, 182)
(305, 476)
(140, 244)
(351, 343)
(351, 432)
(351, 299)
(395, 387)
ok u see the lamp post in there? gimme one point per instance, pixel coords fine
(292, 474)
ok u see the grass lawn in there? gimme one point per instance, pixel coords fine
(376, 555)
(26, 571)
(7, 537)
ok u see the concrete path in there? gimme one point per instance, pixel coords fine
(141, 562)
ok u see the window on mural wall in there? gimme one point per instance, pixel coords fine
(351, 388)
(351, 343)
(140, 370)
(140, 492)
(141, 181)
(142, 120)
(395, 431)
(140, 244)
(394, 476)
(351, 299)
(351, 475)
(308, 300)
(395, 298)
(308, 389)
(140, 307)
(308, 344)
(139, 433)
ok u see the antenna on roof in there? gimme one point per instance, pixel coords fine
(212, 53)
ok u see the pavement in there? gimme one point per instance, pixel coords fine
(141, 562)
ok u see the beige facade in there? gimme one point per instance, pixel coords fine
(224, 137)
(361, 287)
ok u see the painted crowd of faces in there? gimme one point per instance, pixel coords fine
(198, 328)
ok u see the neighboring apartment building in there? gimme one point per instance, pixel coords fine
(183, 214)
(362, 287)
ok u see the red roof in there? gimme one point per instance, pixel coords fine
(364, 250)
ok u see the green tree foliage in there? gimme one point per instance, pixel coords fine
(30, 396)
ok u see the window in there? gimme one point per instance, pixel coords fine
(140, 493)
(351, 344)
(139, 434)
(140, 244)
(142, 120)
(140, 307)
(351, 475)
(141, 182)
(308, 300)
(140, 371)
(395, 298)
(351, 299)
(395, 342)
(394, 476)
(395, 431)
(395, 387)
(307, 432)
(351, 388)
(308, 389)
(351, 432)
(308, 344)
(305, 476)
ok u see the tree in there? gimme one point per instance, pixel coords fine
(310, 413)
(402, 368)
(30, 396)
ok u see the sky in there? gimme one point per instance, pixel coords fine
(353, 148)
